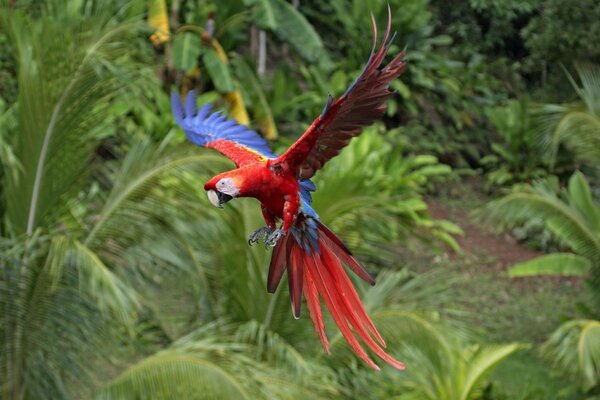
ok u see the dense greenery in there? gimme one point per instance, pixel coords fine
(117, 280)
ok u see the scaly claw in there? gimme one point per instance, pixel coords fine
(259, 234)
(273, 238)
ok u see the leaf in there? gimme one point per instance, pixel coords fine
(170, 375)
(158, 18)
(186, 50)
(263, 13)
(562, 219)
(574, 348)
(581, 197)
(95, 278)
(561, 264)
(577, 124)
(293, 28)
(218, 71)
(67, 76)
(480, 366)
(253, 91)
(237, 109)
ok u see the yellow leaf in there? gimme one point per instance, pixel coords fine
(237, 109)
(158, 19)
(219, 50)
(466, 118)
(268, 128)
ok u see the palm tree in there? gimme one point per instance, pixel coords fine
(577, 124)
(574, 348)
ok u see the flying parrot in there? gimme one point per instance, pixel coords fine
(312, 254)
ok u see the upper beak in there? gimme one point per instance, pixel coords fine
(217, 199)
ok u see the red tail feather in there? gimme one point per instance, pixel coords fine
(320, 274)
(295, 276)
(278, 262)
(343, 253)
(314, 309)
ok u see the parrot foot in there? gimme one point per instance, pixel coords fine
(259, 234)
(274, 237)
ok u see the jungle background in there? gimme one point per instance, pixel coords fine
(475, 201)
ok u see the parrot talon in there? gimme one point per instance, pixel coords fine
(259, 234)
(274, 237)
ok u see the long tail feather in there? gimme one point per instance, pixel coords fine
(295, 276)
(340, 250)
(325, 288)
(350, 296)
(314, 309)
(278, 263)
(314, 263)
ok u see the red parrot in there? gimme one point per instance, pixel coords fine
(312, 254)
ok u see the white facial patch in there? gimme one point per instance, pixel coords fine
(227, 186)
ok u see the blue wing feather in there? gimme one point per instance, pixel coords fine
(202, 127)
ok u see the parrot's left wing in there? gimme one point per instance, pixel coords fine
(238, 142)
(342, 119)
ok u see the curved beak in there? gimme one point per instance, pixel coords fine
(217, 199)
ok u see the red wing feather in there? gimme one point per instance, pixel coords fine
(342, 119)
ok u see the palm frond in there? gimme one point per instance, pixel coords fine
(574, 348)
(573, 219)
(439, 365)
(537, 202)
(577, 124)
(69, 66)
(481, 361)
(152, 182)
(47, 324)
(215, 354)
(556, 264)
(170, 375)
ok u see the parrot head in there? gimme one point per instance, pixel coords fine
(221, 189)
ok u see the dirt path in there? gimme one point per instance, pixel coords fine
(503, 249)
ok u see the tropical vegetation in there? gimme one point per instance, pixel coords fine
(119, 281)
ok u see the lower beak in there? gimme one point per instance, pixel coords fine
(217, 199)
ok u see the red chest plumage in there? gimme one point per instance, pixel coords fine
(271, 187)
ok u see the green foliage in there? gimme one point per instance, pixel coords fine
(574, 348)
(65, 100)
(486, 26)
(556, 264)
(564, 34)
(440, 365)
(518, 157)
(357, 189)
(114, 278)
(186, 50)
(572, 216)
(291, 27)
(577, 125)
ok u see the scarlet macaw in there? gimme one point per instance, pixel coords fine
(312, 254)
